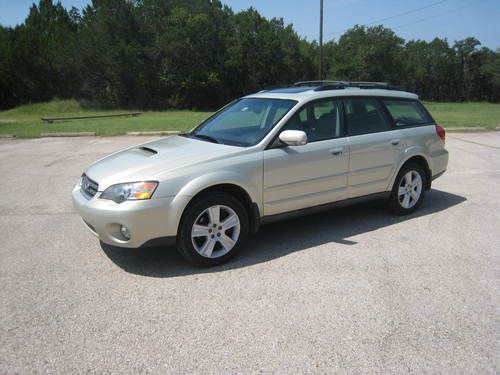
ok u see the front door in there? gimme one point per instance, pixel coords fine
(297, 177)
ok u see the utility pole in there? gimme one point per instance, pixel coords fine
(320, 40)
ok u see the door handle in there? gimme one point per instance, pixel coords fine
(395, 142)
(337, 151)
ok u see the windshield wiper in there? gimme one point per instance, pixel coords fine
(205, 137)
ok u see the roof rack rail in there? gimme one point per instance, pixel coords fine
(319, 83)
(368, 83)
(333, 86)
(359, 84)
(324, 85)
(274, 87)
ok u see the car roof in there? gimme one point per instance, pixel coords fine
(307, 93)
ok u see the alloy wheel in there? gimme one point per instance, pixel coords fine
(215, 231)
(410, 189)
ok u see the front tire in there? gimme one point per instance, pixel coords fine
(408, 190)
(212, 229)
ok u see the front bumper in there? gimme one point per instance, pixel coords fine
(147, 220)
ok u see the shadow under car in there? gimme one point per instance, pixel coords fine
(281, 238)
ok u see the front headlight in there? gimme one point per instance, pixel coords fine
(130, 191)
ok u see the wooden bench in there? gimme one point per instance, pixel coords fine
(52, 119)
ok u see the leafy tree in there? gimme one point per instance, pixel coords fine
(41, 56)
(368, 54)
(431, 69)
(157, 54)
(491, 71)
(111, 55)
(9, 94)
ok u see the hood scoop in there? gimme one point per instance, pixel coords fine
(146, 151)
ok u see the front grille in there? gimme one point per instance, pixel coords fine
(89, 186)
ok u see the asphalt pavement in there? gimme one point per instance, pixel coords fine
(354, 290)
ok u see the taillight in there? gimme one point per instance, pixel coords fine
(440, 131)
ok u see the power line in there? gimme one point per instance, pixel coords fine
(438, 15)
(394, 16)
(320, 40)
(405, 13)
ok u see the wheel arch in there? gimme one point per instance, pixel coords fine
(420, 160)
(190, 194)
(240, 194)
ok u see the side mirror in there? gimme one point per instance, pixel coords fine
(293, 137)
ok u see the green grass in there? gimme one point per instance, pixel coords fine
(466, 114)
(24, 121)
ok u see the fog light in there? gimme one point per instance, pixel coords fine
(125, 232)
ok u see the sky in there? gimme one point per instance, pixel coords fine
(410, 19)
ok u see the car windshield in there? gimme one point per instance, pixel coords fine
(244, 122)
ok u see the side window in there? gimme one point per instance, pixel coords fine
(364, 115)
(302, 115)
(407, 112)
(320, 120)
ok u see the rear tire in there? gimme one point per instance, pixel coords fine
(212, 229)
(408, 190)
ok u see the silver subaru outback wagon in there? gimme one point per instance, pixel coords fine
(267, 156)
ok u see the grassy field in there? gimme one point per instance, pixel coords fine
(24, 121)
(468, 115)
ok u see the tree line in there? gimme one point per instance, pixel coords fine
(199, 54)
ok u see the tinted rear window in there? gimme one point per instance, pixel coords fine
(364, 115)
(407, 112)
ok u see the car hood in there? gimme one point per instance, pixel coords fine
(149, 160)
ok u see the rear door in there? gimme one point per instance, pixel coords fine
(374, 144)
(298, 177)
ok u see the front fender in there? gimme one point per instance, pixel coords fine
(198, 184)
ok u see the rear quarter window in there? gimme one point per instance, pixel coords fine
(407, 112)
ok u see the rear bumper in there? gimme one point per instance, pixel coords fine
(439, 163)
(438, 175)
(148, 221)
